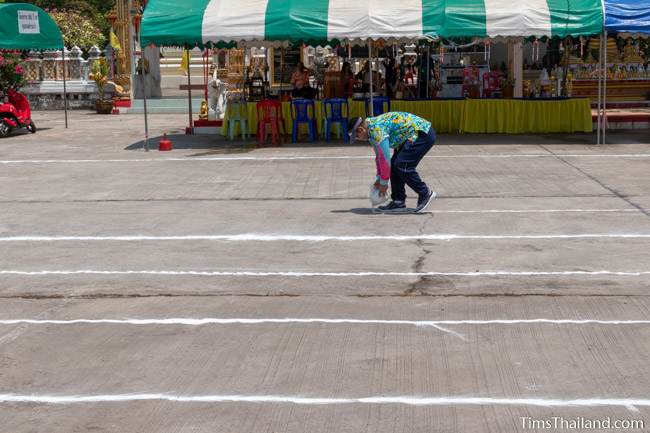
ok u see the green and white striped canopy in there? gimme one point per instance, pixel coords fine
(201, 22)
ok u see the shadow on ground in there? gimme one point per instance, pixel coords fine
(209, 143)
(217, 144)
(371, 211)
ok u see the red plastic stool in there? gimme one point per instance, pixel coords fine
(269, 115)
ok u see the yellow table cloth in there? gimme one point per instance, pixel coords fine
(521, 116)
(445, 116)
(509, 116)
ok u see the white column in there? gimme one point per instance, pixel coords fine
(516, 66)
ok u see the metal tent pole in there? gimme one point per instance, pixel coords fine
(145, 143)
(189, 92)
(600, 86)
(204, 63)
(428, 71)
(243, 75)
(281, 72)
(372, 100)
(65, 90)
(604, 121)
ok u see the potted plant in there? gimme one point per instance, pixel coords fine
(99, 74)
(507, 86)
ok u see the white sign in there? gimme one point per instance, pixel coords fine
(28, 22)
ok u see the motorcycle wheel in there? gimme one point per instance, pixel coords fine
(31, 127)
(4, 130)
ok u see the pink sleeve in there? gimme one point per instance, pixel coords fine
(382, 161)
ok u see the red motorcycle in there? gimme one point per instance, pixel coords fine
(15, 113)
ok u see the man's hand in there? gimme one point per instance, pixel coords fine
(382, 188)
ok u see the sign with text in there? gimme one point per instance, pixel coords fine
(28, 22)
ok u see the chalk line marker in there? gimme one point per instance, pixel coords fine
(290, 320)
(261, 237)
(628, 403)
(302, 158)
(516, 211)
(325, 274)
(441, 325)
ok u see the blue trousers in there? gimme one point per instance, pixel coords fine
(403, 165)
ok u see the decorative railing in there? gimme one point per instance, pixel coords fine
(48, 65)
(44, 74)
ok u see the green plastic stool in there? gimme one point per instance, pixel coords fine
(237, 112)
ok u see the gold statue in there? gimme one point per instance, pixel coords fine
(631, 54)
(203, 112)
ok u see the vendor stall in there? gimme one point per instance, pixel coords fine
(391, 25)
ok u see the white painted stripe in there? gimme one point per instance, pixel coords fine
(293, 320)
(300, 158)
(260, 237)
(541, 211)
(516, 211)
(361, 19)
(517, 18)
(326, 274)
(234, 20)
(629, 403)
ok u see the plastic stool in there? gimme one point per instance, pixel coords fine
(380, 105)
(302, 115)
(269, 113)
(335, 114)
(237, 112)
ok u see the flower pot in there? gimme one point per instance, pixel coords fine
(508, 91)
(103, 106)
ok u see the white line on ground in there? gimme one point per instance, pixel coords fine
(629, 403)
(301, 158)
(539, 211)
(326, 274)
(260, 237)
(291, 320)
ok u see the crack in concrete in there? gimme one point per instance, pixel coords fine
(603, 185)
(419, 286)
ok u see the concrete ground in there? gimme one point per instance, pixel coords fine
(222, 287)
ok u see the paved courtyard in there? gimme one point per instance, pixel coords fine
(226, 288)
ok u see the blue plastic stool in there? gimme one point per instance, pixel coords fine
(380, 104)
(301, 114)
(237, 112)
(336, 111)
